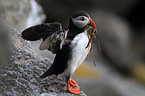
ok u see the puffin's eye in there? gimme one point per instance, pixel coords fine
(82, 19)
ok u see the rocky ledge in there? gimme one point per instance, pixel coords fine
(20, 74)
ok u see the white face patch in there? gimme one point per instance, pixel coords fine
(81, 21)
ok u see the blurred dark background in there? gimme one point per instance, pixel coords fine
(122, 48)
(120, 69)
(121, 32)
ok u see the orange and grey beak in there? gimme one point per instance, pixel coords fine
(92, 23)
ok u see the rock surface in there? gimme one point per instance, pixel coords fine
(20, 72)
(20, 76)
(22, 13)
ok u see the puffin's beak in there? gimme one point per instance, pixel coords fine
(92, 23)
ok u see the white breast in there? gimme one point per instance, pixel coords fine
(79, 52)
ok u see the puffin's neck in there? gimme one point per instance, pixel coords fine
(73, 30)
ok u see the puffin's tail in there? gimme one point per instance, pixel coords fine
(47, 73)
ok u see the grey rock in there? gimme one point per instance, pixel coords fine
(61, 94)
(22, 13)
(19, 73)
(112, 85)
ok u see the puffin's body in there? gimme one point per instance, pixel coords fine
(78, 52)
(70, 45)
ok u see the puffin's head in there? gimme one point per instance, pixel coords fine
(81, 19)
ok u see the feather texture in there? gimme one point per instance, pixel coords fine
(54, 37)
(55, 41)
(41, 31)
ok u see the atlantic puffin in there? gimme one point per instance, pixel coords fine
(71, 45)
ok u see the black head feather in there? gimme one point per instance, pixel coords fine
(80, 13)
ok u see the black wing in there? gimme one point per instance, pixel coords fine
(52, 33)
(41, 31)
(55, 41)
(60, 62)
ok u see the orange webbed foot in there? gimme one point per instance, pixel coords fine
(73, 87)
